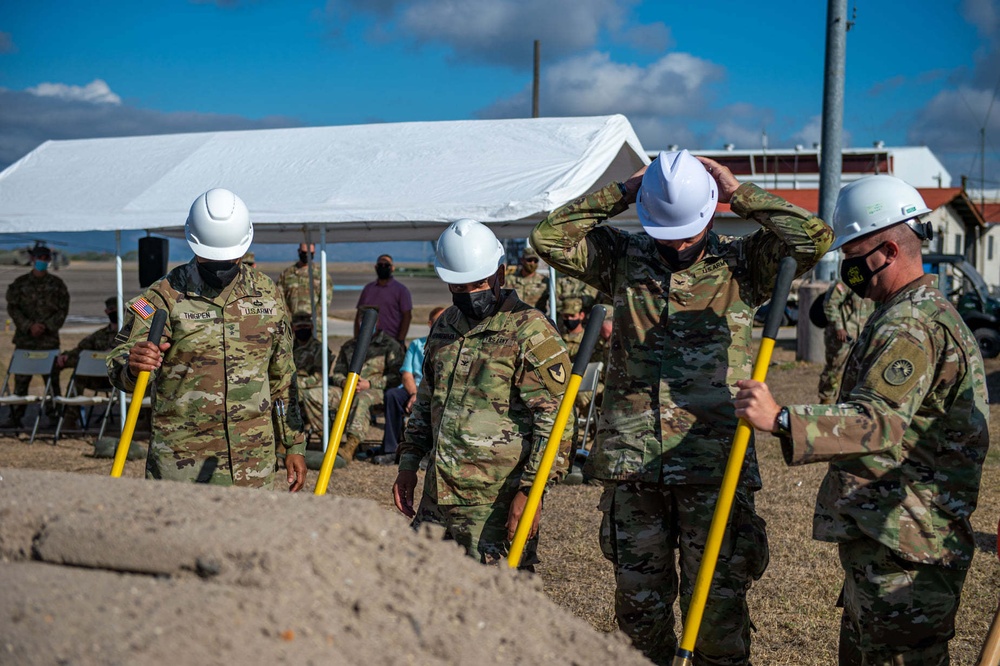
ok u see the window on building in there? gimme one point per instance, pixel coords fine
(959, 248)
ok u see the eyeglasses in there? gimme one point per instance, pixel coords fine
(382, 264)
(530, 261)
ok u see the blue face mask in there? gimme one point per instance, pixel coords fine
(41, 265)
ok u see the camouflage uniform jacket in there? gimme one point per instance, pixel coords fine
(847, 311)
(487, 403)
(308, 358)
(382, 364)
(907, 442)
(573, 341)
(532, 289)
(100, 340)
(293, 285)
(230, 358)
(568, 287)
(681, 340)
(32, 300)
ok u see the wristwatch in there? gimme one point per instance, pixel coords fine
(783, 422)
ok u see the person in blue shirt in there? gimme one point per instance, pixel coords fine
(399, 400)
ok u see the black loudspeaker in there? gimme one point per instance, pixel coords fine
(153, 254)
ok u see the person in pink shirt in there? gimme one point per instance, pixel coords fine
(392, 300)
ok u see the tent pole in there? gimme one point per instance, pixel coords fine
(325, 351)
(120, 286)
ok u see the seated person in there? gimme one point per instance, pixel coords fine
(399, 399)
(380, 370)
(100, 340)
(309, 374)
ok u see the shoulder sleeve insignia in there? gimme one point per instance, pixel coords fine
(898, 372)
(558, 373)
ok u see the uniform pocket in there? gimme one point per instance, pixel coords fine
(751, 537)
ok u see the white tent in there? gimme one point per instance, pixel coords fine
(404, 181)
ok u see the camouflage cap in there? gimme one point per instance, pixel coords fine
(571, 306)
(529, 253)
(111, 303)
(40, 251)
(249, 258)
(301, 319)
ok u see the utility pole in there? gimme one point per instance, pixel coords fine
(810, 338)
(534, 84)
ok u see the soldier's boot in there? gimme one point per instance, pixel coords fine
(349, 447)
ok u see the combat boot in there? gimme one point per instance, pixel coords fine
(349, 447)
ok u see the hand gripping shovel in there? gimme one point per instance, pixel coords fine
(347, 397)
(552, 446)
(731, 477)
(121, 453)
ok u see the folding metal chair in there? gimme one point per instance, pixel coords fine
(91, 364)
(589, 381)
(30, 362)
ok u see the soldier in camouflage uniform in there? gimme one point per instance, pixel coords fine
(224, 365)
(100, 340)
(846, 314)
(307, 352)
(380, 371)
(684, 300)
(905, 443)
(293, 285)
(494, 371)
(571, 327)
(37, 303)
(569, 287)
(532, 287)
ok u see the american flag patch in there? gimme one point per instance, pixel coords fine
(142, 308)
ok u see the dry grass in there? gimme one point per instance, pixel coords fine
(792, 606)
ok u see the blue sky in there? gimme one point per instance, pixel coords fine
(695, 74)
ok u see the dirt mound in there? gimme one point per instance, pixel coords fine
(99, 570)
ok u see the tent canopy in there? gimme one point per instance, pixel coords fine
(402, 181)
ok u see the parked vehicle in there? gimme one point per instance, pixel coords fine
(962, 284)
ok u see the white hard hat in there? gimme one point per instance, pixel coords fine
(677, 198)
(218, 227)
(467, 251)
(874, 203)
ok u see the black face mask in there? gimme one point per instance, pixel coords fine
(856, 274)
(218, 274)
(678, 260)
(113, 317)
(383, 272)
(478, 305)
(571, 324)
(303, 257)
(303, 334)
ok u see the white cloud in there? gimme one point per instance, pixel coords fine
(503, 31)
(96, 92)
(983, 14)
(592, 84)
(30, 117)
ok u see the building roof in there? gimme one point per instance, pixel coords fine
(934, 197)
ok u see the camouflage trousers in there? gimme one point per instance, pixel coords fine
(643, 526)
(837, 353)
(480, 529)
(357, 420)
(896, 612)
